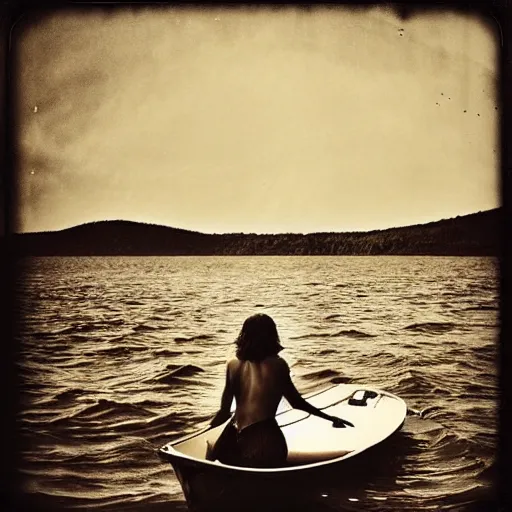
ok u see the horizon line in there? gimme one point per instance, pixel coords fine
(142, 223)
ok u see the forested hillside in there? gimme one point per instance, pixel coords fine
(475, 234)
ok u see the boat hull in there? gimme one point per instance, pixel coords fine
(319, 456)
(211, 489)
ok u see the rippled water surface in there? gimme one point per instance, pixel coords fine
(123, 354)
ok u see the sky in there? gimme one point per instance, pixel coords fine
(254, 120)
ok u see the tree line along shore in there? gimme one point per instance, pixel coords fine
(476, 234)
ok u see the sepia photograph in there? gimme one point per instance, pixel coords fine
(258, 257)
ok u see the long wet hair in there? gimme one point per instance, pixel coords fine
(258, 339)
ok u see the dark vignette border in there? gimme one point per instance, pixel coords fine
(498, 13)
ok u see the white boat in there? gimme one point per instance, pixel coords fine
(314, 448)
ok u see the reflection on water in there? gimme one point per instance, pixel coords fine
(123, 354)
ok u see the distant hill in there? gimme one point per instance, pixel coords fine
(477, 234)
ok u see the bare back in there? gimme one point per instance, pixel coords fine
(258, 387)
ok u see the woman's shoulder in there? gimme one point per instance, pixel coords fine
(278, 361)
(233, 364)
(275, 360)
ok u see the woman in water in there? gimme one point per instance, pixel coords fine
(258, 378)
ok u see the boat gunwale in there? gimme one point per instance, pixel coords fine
(169, 451)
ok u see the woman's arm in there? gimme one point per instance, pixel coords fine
(295, 399)
(225, 403)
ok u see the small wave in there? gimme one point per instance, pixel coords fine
(104, 406)
(73, 363)
(341, 380)
(84, 328)
(488, 351)
(321, 374)
(34, 386)
(482, 307)
(188, 370)
(65, 330)
(481, 390)
(166, 421)
(173, 366)
(181, 339)
(477, 286)
(441, 391)
(311, 335)
(327, 352)
(166, 352)
(118, 351)
(55, 346)
(116, 322)
(350, 333)
(81, 337)
(451, 443)
(467, 365)
(145, 328)
(231, 301)
(101, 411)
(332, 317)
(148, 403)
(417, 424)
(385, 358)
(169, 312)
(431, 327)
(483, 324)
(128, 450)
(308, 295)
(69, 395)
(78, 329)
(133, 303)
(353, 333)
(302, 362)
(41, 335)
(412, 381)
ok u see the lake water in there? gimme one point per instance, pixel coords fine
(120, 355)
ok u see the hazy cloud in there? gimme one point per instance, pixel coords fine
(256, 120)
